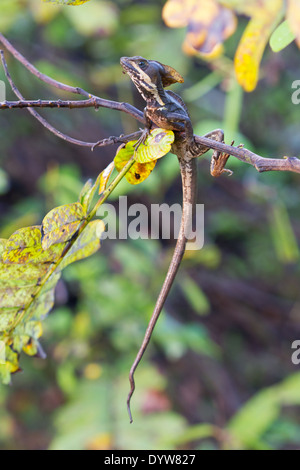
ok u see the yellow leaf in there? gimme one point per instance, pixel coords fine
(30, 348)
(92, 371)
(139, 171)
(43, 13)
(176, 13)
(101, 441)
(61, 223)
(208, 24)
(104, 177)
(254, 40)
(156, 146)
(24, 246)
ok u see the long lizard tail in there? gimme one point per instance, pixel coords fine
(189, 184)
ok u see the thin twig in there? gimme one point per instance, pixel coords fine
(100, 102)
(58, 104)
(261, 164)
(36, 115)
(71, 104)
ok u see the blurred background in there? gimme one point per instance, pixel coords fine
(218, 372)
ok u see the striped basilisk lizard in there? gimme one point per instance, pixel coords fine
(167, 110)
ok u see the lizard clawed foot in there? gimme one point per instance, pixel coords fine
(110, 140)
(218, 162)
(142, 139)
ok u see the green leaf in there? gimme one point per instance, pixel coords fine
(61, 224)
(282, 37)
(249, 424)
(195, 296)
(89, 190)
(85, 194)
(94, 17)
(86, 244)
(195, 433)
(255, 417)
(88, 415)
(283, 235)
(31, 261)
(8, 318)
(25, 246)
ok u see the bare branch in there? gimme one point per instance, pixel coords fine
(261, 164)
(90, 103)
(36, 115)
(59, 104)
(99, 102)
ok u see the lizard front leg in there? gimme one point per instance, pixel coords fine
(146, 131)
(182, 123)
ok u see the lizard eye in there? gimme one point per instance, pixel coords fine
(142, 64)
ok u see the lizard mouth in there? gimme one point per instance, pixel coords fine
(124, 63)
(126, 66)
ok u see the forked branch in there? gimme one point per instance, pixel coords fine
(260, 163)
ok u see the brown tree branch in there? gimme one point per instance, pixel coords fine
(261, 164)
(58, 104)
(36, 115)
(100, 102)
(71, 104)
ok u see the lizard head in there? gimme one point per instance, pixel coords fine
(149, 75)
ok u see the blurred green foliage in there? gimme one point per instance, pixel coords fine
(217, 372)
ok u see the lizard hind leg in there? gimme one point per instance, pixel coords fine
(218, 162)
